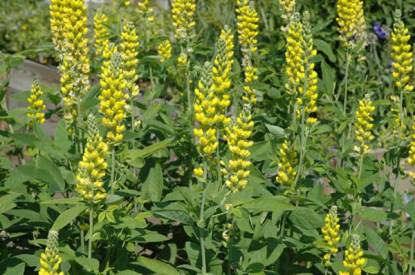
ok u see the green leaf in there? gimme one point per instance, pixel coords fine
(7, 202)
(30, 260)
(372, 214)
(61, 137)
(270, 204)
(371, 267)
(15, 270)
(157, 266)
(377, 242)
(91, 265)
(277, 131)
(148, 151)
(306, 218)
(325, 48)
(153, 185)
(68, 216)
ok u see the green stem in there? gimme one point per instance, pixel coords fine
(360, 166)
(346, 79)
(113, 171)
(202, 221)
(82, 241)
(303, 140)
(412, 252)
(91, 232)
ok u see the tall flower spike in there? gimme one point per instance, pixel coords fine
(113, 98)
(164, 50)
(183, 13)
(247, 24)
(411, 158)
(57, 13)
(238, 135)
(50, 260)
(76, 43)
(402, 56)
(91, 170)
(364, 126)
(36, 105)
(353, 258)
(331, 234)
(129, 55)
(145, 10)
(286, 165)
(287, 8)
(68, 87)
(222, 73)
(205, 115)
(351, 22)
(102, 36)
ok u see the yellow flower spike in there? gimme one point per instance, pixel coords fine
(351, 22)
(113, 98)
(205, 115)
(50, 260)
(129, 55)
(247, 24)
(92, 167)
(145, 10)
(198, 172)
(411, 157)
(183, 13)
(286, 165)
(126, 3)
(57, 13)
(164, 50)
(287, 8)
(76, 42)
(222, 74)
(331, 234)
(36, 105)
(353, 258)
(182, 60)
(238, 136)
(364, 125)
(102, 42)
(402, 56)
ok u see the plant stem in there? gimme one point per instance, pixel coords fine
(202, 220)
(360, 166)
(91, 231)
(412, 251)
(82, 241)
(303, 140)
(113, 171)
(346, 79)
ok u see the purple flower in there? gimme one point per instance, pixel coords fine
(380, 32)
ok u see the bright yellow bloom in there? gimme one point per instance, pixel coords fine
(247, 24)
(331, 234)
(102, 42)
(364, 125)
(126, 3)
(50, 260)
(351, 21)
(222, 73)
(238, 135)
(92, 167)
(302, 78)
(182, 60)
(198, 172)
(76, 42)
(287, 8)
(69, 85)
(402, 56)
(164, 50)
(251, 75)
(411, 158)
(205, 115)
(286, 165)
(129, 55)
(183, 13)
(145, 10)
(113, 98)
(57, 13)
(353, 258)
(36, 105)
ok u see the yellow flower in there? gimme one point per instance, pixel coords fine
(411, 158)
(50, 260)
(129, 55)
(76, 42)
(397, 126)
(222, 73)
(36, 105)
(92, 167)
(57, 13)
(331, 234)
(247, 24)
(251, 75)
(353, 258)
(198, 172)
(145, 10)
(164, 50)
(364, 125)
(69, 85)
(102, 42)
(113, 98)
(182, 60)
(126, 3)
(286, 165)
(288, 8)
(402, 56)
(238, 136)
(183, 13)
(205, 115)
(351, 21)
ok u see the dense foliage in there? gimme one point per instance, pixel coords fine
(214, 137)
